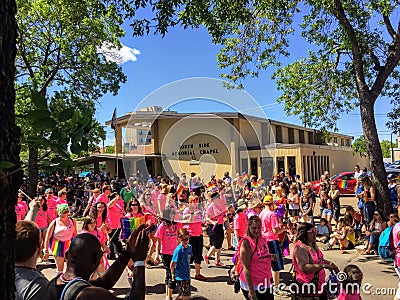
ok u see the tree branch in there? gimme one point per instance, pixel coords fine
(355, 48)
(389, 26)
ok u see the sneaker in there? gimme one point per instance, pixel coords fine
(206, 261)
(200, 277)
(218, 263)
(281, 293)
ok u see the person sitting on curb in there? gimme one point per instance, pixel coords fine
(83, 258)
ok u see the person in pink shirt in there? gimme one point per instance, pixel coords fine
(162, 199)
(100, 214)
(133, 208)
(62, 197)
(89, 226)
(43, 219)
(103, 197)
(51, 204)
(240, 220)
(255, 209)
(270, 231)
(154, 191)
(115, 213)
(21, 208)
(350, 287)
(193, 219)
(255, 270)
(215, 213)
(167, 237)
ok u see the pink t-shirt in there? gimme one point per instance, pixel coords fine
(216, 211)
(41, 218)
(168, 236)
(344, 296)
(260, 263)
(154, 196)
(102, 198)
(23, 203)
(162, 199)
(317, 258)
(97, 233)
(59, 201)
(99, 221)
(269, 220)
(52, 208)
(115, 213)
(194, 227)
(240, 223)
(395, 232)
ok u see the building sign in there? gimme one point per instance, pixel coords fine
(194, 150)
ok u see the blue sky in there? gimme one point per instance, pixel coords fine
(189, 53)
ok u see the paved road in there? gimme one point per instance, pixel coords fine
(379, 276)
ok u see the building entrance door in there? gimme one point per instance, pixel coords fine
(254, 166)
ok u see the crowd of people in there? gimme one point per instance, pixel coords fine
(139, 223)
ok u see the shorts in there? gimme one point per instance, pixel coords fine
(294, 212)
(350, 246)
(275, 248)
(327, 212)
(197, 249)
(227, 225)
(336, 212)
(183, 287)
(43, 229)
(216, 234)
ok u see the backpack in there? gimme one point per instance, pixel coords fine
(73, 288)
(386, 249)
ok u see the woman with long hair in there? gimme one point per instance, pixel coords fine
(376, 226)
(309, 264)
(133, 209)
(42, 220)
(255, 271)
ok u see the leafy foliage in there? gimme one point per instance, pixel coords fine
(60, 73)
(360, 146)
(387, 148)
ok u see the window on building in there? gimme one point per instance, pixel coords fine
(311, 137)
(291, 135)
(335, 140)
(341, 142)
(278, 134)
(301, 137)
(347, 142)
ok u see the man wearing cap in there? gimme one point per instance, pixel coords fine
(271, 229)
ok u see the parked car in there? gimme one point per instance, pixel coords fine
(345, 181)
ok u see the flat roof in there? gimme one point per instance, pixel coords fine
(150, 117)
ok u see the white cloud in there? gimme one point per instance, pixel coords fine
(120, 56)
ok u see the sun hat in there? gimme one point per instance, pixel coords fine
(241, 204)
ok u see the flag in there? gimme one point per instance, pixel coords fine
(212, 187)
(343, 184)
(114, 119)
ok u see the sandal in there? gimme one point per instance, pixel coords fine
(149, 264)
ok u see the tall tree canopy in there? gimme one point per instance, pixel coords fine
(58, 58)
(354, 58)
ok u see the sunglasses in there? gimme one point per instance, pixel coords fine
(376, 214)
(50, 193)
(134, 204)
(184, 240)
(147, 194)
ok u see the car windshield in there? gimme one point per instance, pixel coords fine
(335, 176)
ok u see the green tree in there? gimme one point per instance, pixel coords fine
(359, 146)
(354, 58)
(10, 176)
(58, 58)
(386, 147)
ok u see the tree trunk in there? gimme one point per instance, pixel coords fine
(33, 171)
(9, 148)
(375, 153)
